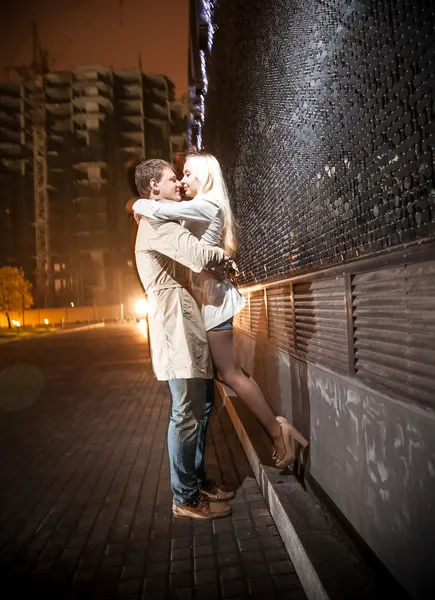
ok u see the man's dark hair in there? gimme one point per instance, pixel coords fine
(147, 170)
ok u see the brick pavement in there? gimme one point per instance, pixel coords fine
(85, 500)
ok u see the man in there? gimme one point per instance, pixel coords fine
(179, 348)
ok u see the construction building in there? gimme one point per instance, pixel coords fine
(65, 138)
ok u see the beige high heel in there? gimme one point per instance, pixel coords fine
(282, 461)
(288, 432)
(280, 420)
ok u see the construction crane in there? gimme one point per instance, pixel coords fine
(33, 77)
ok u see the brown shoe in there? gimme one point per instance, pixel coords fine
(203, 510)
(214, 492)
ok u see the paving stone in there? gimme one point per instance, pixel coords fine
(242, 523)
(203, 551)
(154, 583)
(233, 588)
(112, 560)
(159, 556)
(276, 554)
(182, 542)
(233, 558)
(156, 568)
(257, 513)
(227, 547)
(180, 580)
(42, 567)
(88, 510)
(206, 576)
(287, 582)
(261, 584)
(253, 570)
(202, 539)
(207, 592)
(131, 586)
(224, 536)
(204, 562)
(271, 542)
(267, 531)
(232, 572)
(220, 525)
(200, 527)
(281, 567)
(253, 556)
(186, 593)
(246, 534)
(249, 544)
(295, 594)
(159, 544)
(181, 566)
(133, 572)
(154, 595)
(181, 553)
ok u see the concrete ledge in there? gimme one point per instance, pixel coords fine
(327, 568)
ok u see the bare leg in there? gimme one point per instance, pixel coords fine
(229, 371)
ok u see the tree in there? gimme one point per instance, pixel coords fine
(15, 291)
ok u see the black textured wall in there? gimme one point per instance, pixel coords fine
(322, 114)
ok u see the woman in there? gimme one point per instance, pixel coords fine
(208, 216)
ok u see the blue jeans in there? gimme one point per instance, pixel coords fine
(192, 401)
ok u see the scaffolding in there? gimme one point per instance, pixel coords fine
(42, 238)
(43, 275)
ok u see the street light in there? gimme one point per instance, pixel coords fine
(141, 307)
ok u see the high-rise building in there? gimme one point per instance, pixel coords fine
(65, 138)
(17, 236)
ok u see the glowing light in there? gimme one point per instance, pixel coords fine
(207, 16)
(46, 321)
(208, 11)
(72, 304)
(143, 327)
(141, 307)
(17, 323)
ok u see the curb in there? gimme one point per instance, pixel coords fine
(72, 330)
(327, 568)
(60, 331)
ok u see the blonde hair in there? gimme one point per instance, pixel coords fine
(206, 168)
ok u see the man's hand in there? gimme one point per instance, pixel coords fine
(218, 273)
(227, 270)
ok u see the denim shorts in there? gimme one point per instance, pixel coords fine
(225, 326)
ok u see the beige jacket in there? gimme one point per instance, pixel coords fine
(179, 348)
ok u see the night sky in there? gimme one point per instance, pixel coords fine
(105, 32)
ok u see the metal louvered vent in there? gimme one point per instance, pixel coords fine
(258, 313)
(280, 317)
(394, 330)
(242, 320)
(321, 324)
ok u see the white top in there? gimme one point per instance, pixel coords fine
(202, 216)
